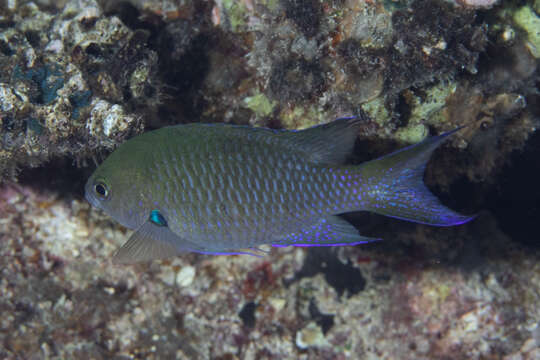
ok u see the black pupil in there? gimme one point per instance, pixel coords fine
(100, 189)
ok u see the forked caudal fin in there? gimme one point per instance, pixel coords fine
(397, 189)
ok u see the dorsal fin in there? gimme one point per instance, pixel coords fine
(328, 144)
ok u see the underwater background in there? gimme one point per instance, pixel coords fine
(80, 77)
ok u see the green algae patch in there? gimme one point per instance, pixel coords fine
(236, 14)
(423, 108)
(299, 117)
(526, 18)
(437, 293)
(270, 4)
(260, 104)
(377, 111)
(412, 134)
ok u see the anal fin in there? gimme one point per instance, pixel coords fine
(228, 252)
(328, 231)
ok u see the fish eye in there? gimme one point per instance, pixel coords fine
(101, 190)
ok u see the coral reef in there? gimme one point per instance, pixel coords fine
(284, 64)
(71, 83)
(78, 77)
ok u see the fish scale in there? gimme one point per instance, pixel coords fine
(219, 188)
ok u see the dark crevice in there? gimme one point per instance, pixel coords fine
(247, 314)
(184, 74)
(325, 321)
(33, 38)
(60, 176)
(342, 277)
(5, 49)
(513, 197)
(136, 20)
(515, 201)
(403, 111)
(306, 14)
(296, 79)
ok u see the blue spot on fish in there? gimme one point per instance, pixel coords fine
(157, 218)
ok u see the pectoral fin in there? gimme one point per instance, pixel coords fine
(151, 242)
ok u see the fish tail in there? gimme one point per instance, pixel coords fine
(394, 186)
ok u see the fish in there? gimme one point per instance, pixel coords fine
(223, 189)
